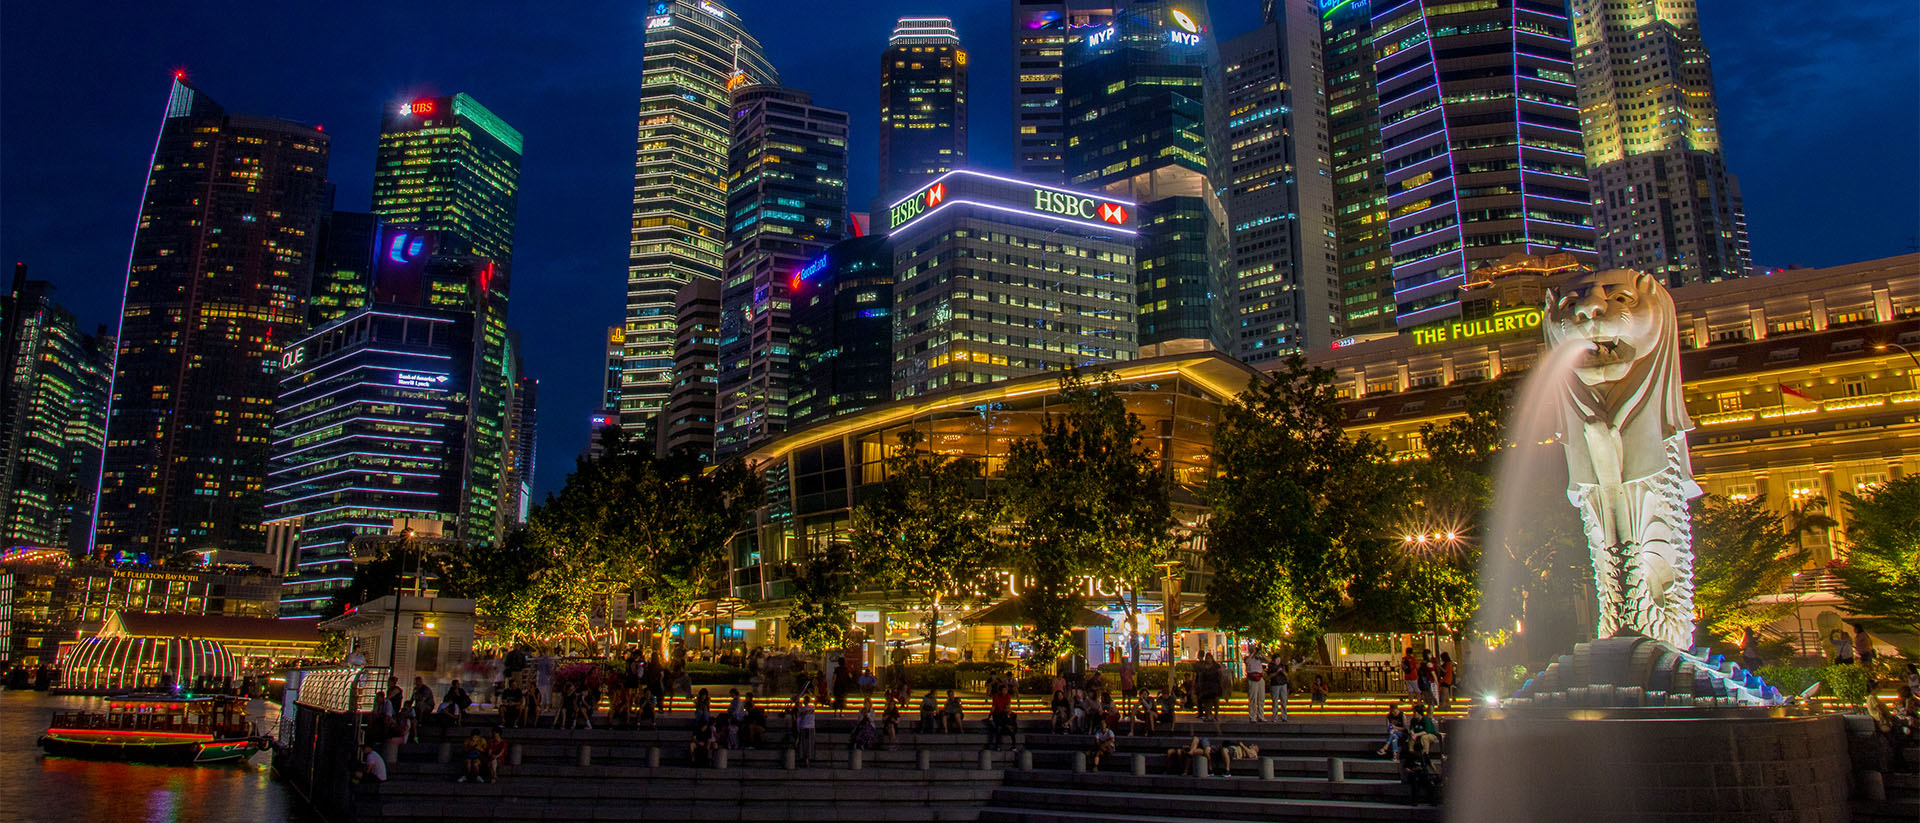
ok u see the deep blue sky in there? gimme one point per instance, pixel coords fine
(1818, 105)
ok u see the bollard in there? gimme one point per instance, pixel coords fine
(1079, 762)
(1200, 766)
(1266, 768)
(653, 757)
(586, 755)
(924, 760)
(1026, 760)
(391, 753)
(720, 759)
(986, 760)
(787, 759)
(1139, 765)
(445, 755)
(514, 754)
(1336, 770)
(856, 760)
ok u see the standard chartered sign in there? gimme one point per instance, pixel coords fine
(1512, 320)
(955, 188)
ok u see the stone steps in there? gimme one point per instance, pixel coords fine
(1048, 805)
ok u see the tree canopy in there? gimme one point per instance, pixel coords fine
(1741, 550)
(1881, 576)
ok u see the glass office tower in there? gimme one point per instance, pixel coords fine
(923, 104)
(448, 165)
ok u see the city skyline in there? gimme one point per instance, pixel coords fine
(568, 250)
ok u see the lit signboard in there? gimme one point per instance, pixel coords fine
(1506, 322)
(818, 265)
(1100, 37)
(660, 22)
(1007, 194)
(744, 624)
(416, 107)
(1184, 38)
(1181, 19)
(866, 616)
(420, 381)
(293, 357)
(712, 9)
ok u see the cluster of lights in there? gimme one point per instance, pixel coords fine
(1436, 537)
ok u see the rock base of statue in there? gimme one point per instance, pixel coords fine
(1627, 728)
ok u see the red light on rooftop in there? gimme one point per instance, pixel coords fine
(179, 74)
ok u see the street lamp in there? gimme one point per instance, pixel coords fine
(399, 575)
(1909, 352)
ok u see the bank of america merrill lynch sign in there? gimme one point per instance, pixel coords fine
(1010, 195)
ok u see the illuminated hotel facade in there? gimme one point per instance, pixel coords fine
(48, 597)
(697, 53)
(923, 104)
(448, 165)
(1789, 395)
(1663, 201)
(996, 278)
(217, 284)
(1480, 137)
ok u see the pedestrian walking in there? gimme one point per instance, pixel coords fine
(1279, 676)
(1255, 669)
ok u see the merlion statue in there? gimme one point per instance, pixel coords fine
(1623, 423)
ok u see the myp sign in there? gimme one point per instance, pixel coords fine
(1009, 195)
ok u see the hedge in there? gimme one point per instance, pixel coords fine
(1847, 683)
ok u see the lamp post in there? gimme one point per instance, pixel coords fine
(399, 575)
(1913, 377)
(1170, 603)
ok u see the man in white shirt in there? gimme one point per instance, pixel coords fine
(1256, 690)
(372, 768)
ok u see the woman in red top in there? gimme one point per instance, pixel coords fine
(1446, 680)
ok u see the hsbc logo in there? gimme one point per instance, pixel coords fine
(1084, 208)
(937, 193)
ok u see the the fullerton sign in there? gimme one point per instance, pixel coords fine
(1506, 322)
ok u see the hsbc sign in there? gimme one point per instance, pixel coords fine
(1006, 194)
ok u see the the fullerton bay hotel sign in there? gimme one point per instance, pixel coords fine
(1013, 198)
(1511, 321)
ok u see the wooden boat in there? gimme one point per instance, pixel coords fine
(163, 729)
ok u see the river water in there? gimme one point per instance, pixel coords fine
(35, 788)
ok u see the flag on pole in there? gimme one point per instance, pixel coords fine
(1790, 396)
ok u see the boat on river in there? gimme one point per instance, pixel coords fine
(162, 729)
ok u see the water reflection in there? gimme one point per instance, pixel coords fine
(35, 788)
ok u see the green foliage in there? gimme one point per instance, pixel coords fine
(1791, 680)
(1087, 498)
(1150, 678)
(445, 571)
(1881, 578)
(1300, 511)
(822, 584)
(927, 531)
(1849, 683)
(1742, 550)
(711, 673)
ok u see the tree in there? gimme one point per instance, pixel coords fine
(927, 530)
(629, 523)
(1881, 578)
(1087, 498)
(1742, 550)
(446, 568)
(822, 586)
(1299, 508)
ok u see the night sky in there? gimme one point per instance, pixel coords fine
(1817, 102)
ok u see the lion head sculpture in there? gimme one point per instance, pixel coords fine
(1627, 376)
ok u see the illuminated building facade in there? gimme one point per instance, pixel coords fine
(54, 380)
(608, 416)
(842, 331)
(47, 596)
(1359, 177)
(1137, 128)
(523, 417)
(786, 203)
(217, 285)
(1480, 136)
(343, 266)
(397, 411)
(815, 475)
(1041, 29)
(923, 104)
(1663, 201)
(448, 165)
(996, 278)
(697, 53)
(1789, 396)
(687, 423)
(1279, 189)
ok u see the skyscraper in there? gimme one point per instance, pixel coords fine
(1359, 176)
(923, 104)
(842, 331)
(1041, 29)
(342, 267)
(697, 53)
(448, 165)
(787, 200)
(686, 425)
(523, 418)
(996, 278)
(53, 418)
(217, 284)
(1137, 128)
(398, 410)
(1279, 188)
(1663, 201)
(1481, 141)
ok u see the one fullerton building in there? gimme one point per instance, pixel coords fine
(996, 278)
